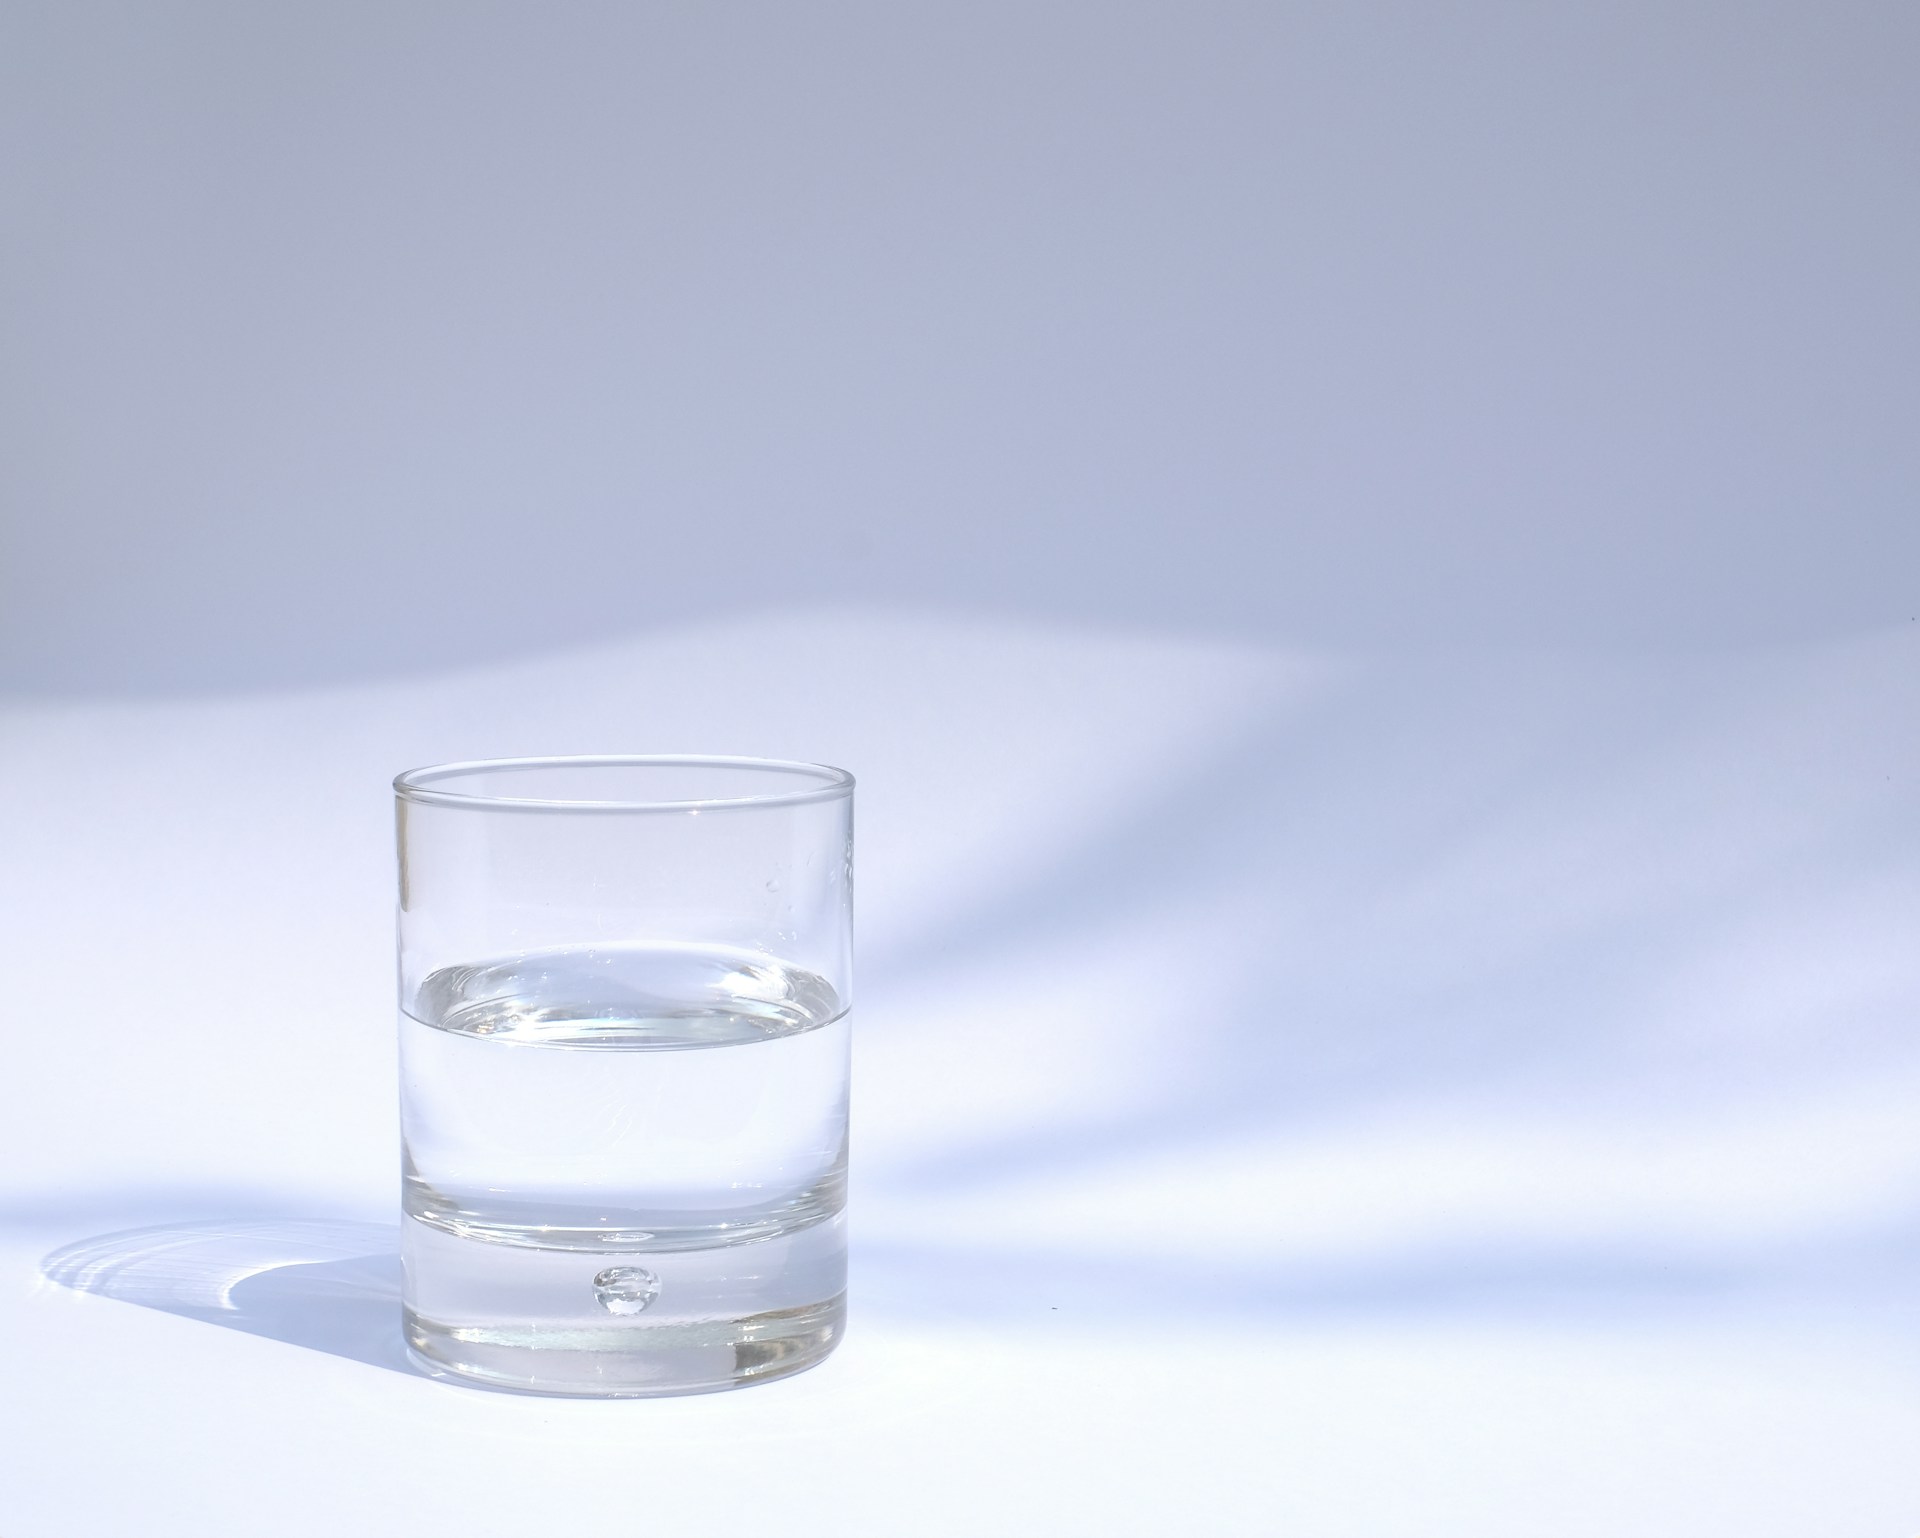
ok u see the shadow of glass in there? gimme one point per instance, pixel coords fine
(328, 1285)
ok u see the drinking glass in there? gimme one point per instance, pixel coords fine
(624, 986)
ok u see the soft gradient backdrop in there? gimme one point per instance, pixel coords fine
(1364, 556)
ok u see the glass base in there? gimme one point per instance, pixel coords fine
(623, 1324)
(632, 1363)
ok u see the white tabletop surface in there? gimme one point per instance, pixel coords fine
(1466, 1095)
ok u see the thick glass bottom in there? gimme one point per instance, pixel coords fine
(626, 1324)
(630, 1362)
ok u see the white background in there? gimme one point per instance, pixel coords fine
(1363, 559)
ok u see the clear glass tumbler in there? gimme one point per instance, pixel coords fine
(624, 986)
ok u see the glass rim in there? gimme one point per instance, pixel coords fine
(416, 785)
